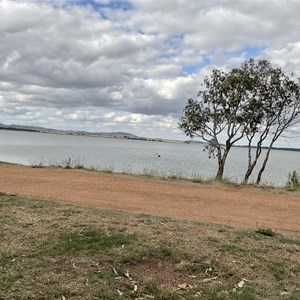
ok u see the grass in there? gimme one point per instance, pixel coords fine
(50, 251)
(266, 231)
(78, 163)
(72, 162)
(91, 241)
(293, 182)
(8, 163)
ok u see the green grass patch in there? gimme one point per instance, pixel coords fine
(93, 241)
(278, 269)
(266, 232)
(8, 163)
(50, 251)
(195, 267)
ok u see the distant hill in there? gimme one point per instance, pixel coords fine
(68, 132)
(118, 134)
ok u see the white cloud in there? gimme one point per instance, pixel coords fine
(287, 57)
(66, 64)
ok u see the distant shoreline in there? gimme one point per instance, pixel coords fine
(114, 135)
(274, 148)
(118, 135)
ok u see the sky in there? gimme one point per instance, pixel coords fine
(131, 65)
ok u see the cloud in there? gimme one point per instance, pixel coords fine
(67, 63)
(287, 57)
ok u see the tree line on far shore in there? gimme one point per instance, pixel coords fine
(255, 102)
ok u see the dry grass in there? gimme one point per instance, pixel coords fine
(54, 251)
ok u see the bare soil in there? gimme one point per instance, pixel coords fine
(238, 206)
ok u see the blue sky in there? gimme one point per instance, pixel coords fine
(131, 65)
(98, 5)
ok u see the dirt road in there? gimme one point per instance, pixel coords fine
(246, 207)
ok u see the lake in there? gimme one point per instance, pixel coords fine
(138, 157)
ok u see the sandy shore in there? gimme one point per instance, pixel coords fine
(245, 207)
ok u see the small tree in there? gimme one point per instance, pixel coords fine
(219, 112)
(255, 101)
(275, 107)
(288, 114)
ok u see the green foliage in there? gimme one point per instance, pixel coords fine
(195, 267)
(255, 101)
(152, 288)
(278, 269)
(266, 232)
(231, 248)
(293, 182)
(92, 241)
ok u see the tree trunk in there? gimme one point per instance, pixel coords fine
(220, 171)
(259, 175)
(247, 175)
(250, 168)
(252, 165)
(221, 163)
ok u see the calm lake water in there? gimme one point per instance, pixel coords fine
(130, 156)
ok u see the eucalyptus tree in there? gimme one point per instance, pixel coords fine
(219, 113)
(287, 108)
(255, 101)
(274, 106)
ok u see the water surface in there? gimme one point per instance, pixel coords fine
(132, 156)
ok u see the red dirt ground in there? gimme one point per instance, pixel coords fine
(241, 206)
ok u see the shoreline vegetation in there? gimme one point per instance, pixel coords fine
(292, 183)
(51, 250)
